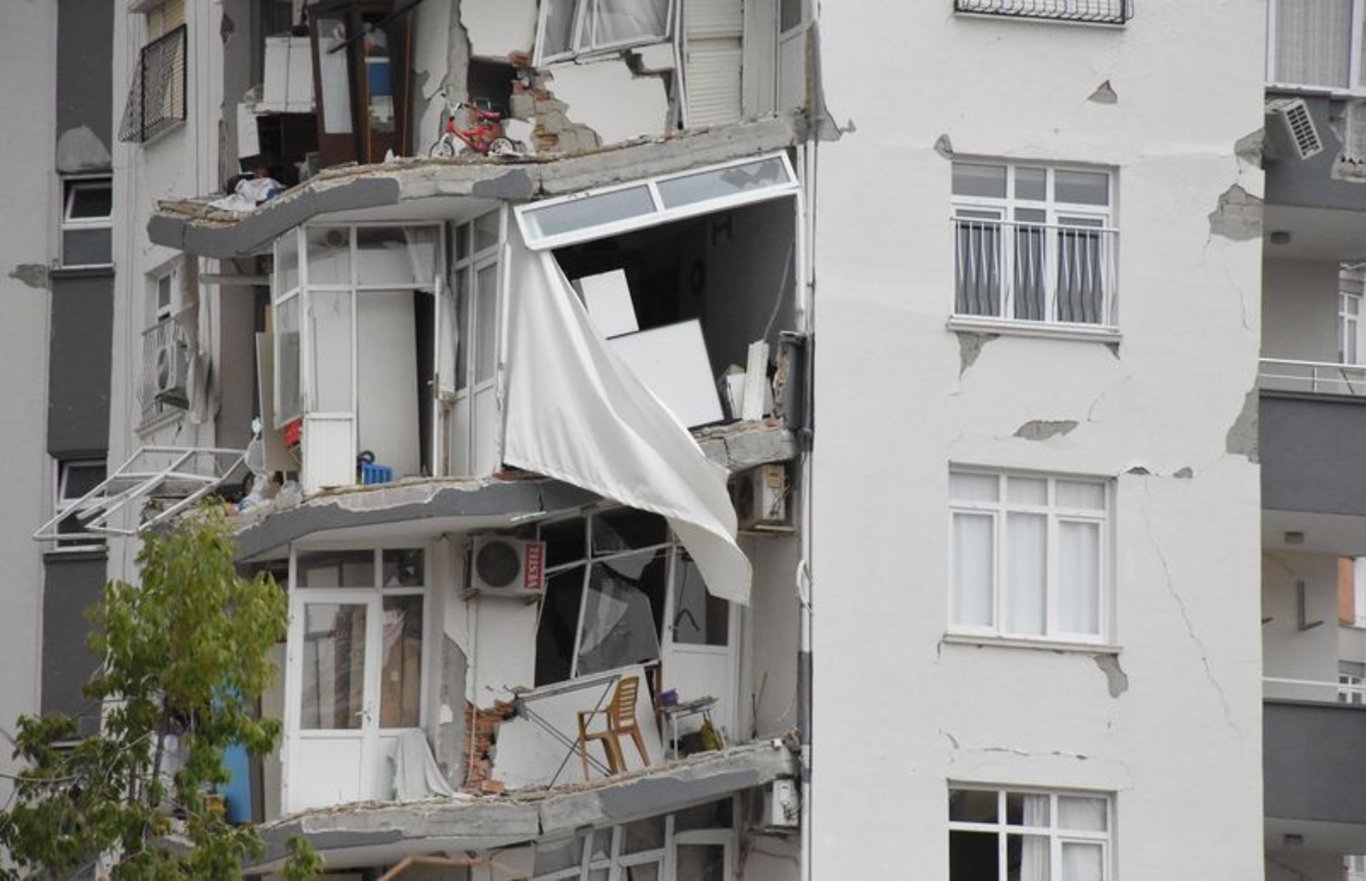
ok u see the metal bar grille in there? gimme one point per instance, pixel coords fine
(1034, 271)
(156, 100)
(1100, 11)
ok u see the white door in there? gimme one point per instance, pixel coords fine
(699, 650)
(333, 659)
(793, 23)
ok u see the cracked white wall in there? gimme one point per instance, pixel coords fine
(894, 703)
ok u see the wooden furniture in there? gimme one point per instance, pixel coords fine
(620, 716)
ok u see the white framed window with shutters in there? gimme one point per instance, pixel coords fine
(1316, 44)
(1029, 556)
(1014, 834)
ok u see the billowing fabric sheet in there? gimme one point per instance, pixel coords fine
(575, 412)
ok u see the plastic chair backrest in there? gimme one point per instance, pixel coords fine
(623, 710)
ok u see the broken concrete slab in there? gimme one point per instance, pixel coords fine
(433, 505)
(744, 445)
(190, 225)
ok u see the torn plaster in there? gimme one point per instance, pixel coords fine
(32, 274)
(498, 28)
(515, 185)
(970, 345)
(1185, 473)
(1238, 215)
(1249, 147)
(431, 59)
(80, 149)
(612, 101)
(1104, 94)
(1043, 429)
(943, 146)
(456, 81)
(450, 736)
(1241, 439)
(1116, 680)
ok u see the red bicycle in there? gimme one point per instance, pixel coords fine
(481, 133)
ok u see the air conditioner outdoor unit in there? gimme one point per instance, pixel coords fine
(507, 566)
(1299, 126)
(760, 498)
(782, 806)
(168, 373)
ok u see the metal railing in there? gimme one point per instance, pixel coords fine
(1314, 690)
(162, 384)
(1052, 273)
(156, 100)
(1316, 377)
(1099, 11)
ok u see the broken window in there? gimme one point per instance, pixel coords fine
(76, 478)
(579, 27)
(641, 850)
(156, 99)
(1034, 243)
(1030, 555)
(1000, 835)
(607, 596)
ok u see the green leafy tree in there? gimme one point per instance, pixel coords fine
(185, 660)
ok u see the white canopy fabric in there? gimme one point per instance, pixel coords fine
(575, 412)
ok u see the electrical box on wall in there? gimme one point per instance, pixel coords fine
(761, 499)
(502, 565)
(782, 806)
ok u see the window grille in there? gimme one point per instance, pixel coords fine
(1098, 11)
(156, 100)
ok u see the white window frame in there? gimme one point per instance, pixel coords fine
(1355, 72)
(1056, 835)
(1349, 327)
(62, 502)
(999, 511)
(665, 857)
(70, 185)
(658, 214)
(1058, 215)
(581, 31)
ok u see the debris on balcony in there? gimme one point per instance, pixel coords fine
(740, 446)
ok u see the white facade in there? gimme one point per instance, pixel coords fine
(30, 188)
(1160, 712)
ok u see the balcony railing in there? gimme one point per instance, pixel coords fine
(1315, 377)
(1054, 273)
(162, 384)
(1099, 11)
(156, 99)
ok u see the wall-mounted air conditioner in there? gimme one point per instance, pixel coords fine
(168, 371)
(503, 565)
(1298, 128)
(761, 499)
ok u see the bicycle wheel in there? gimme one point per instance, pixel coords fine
(442, 149)
(501, 147)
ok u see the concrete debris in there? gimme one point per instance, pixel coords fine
(1242, 434)
(1238, 215)
(1043, 429)
(1116, 680)
(1104, 94)
(743, 445)
(1249, 148)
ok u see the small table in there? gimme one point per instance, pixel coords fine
(696, 707)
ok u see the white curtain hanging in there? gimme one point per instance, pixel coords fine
(576, 413)
(1034, 848)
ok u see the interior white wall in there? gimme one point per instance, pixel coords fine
(386, 385)
(1293, 866)
(769, 650)
(1300, 310)
(611, 100)
(897, 402)
(499, 27)
(1287, 651)
(28, 53)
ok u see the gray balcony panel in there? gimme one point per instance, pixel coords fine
(1311, 761)
(1311, 451)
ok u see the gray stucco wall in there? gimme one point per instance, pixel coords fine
(1311, 453)
(1311, 761)
(84, 98)
(71, 585)
(78, 373)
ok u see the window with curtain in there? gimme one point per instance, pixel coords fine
(579, 27)
(1010, 835)
(1029, 555)
(1311, 43)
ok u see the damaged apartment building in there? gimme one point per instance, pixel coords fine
(520, 423)
(495, 323)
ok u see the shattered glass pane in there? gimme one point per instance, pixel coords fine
(621, 613)
(623, 529)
